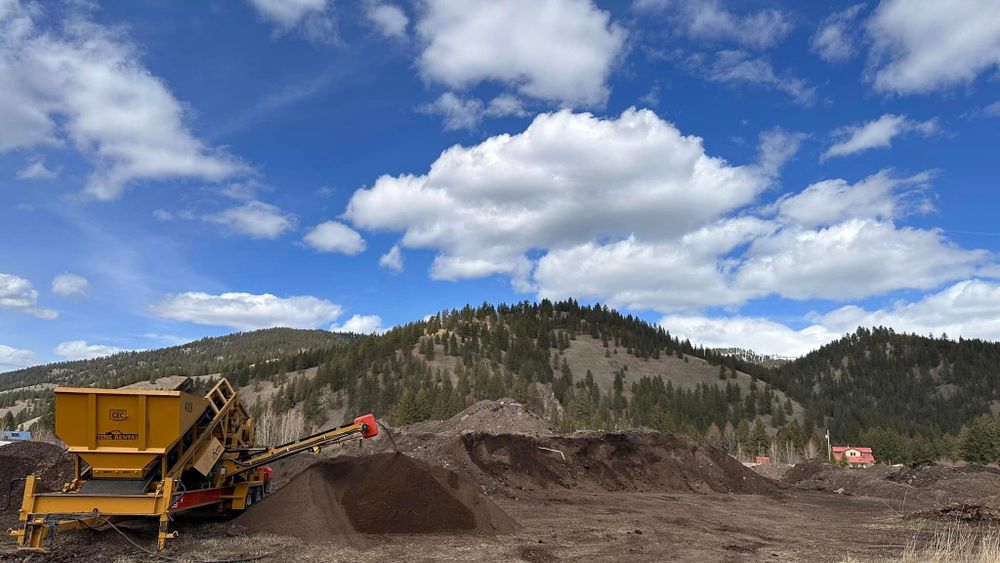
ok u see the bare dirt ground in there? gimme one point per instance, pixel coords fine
(522, 493)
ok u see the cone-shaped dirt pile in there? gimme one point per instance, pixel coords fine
(377, 494)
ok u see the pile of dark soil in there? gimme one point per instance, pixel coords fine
(377, 494)
(773, 471)
(503, 416)
(807, 470)
(973, 513)
(931, 474)
(19, 459)
(875, 482)
(635, 461)
(927, 487)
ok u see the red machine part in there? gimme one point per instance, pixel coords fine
(371, 427)
(267, 473)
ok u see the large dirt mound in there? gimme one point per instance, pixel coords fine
(51, 463)
(504, 416)
(18, 460)
(928, 485)
(821, 475)
(611, 462)
(808, 469)
(376, 494)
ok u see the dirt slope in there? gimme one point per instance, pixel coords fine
(377, 494)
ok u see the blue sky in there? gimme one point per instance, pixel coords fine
(759, 174)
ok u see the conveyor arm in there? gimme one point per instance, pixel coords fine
(363, 426)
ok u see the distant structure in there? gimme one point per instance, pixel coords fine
(761, 460)
(15, 435)
(856, 456)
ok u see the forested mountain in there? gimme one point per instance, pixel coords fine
(260, 348)
(879, 378)
(583, 367)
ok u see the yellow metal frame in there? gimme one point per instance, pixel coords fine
(190, 441)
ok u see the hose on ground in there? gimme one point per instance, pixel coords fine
(10, 492)
(159, 555)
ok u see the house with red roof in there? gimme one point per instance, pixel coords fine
(856, 456)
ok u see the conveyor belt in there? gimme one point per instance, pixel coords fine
(114, 487)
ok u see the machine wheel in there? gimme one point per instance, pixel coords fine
(249, 499)
(267, 488)
(258, 494)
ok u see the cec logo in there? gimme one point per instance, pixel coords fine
(118, 414)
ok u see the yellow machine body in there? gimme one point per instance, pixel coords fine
(152, 453)
(122, 432)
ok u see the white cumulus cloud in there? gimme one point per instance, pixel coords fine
(254, 219)
(555, 50)
(631, 212)
(853, 259)
(69, 285)
(333, 236)
(969, 308)
(360, 324)
(877, 134)
(19, 294)
(247, 311)
(36, 170)
(879, 196)
(392, 260)
(920, 46)
(312, 18)
(736, 68)
(16, 358)
(65, 72)
(761, 335)
(388, 19)
(458, 112)
(81, 350)
(838, 36)
(566, 179)
(711, 20)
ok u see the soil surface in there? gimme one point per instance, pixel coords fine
(471, 489)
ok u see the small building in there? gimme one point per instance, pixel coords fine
(15, 435)
(761, 460)
(856, 456)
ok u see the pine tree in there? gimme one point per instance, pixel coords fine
(778, 418)
(8, 421)
(406, 410)
(423, 405)
(580, 410)
(520, 390)
(759, 440)
(979, 440)
(742, 433)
